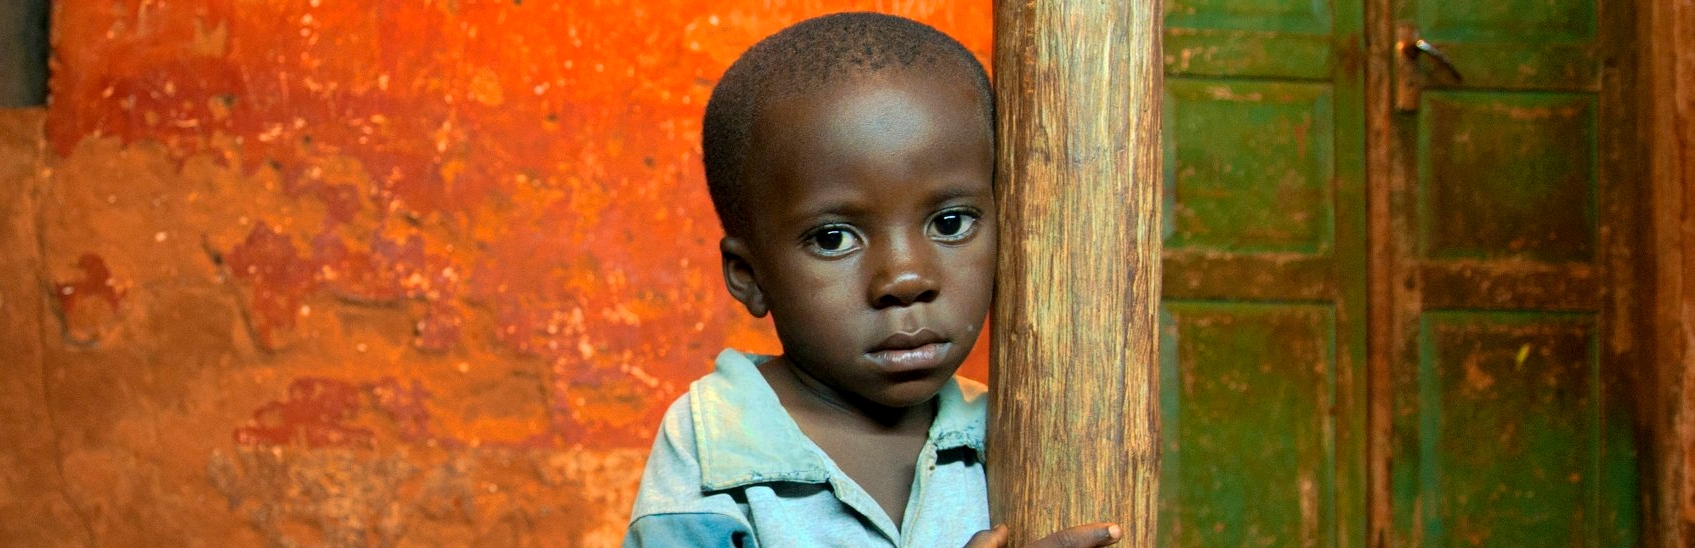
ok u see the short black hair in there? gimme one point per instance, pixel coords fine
(804, 58)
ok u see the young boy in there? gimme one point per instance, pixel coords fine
(850, 159)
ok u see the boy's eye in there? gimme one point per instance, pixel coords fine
(832, 241)
(953, 226)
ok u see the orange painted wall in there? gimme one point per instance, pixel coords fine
(372, 273)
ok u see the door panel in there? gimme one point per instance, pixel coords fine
(1263, 332)
(1507, 174)
(1502, 225)
(1508, 427)
(1238, 191)
(1506, 406)
(1507, 435)
(1515, 44)
(1240, 371)
(1243, 38)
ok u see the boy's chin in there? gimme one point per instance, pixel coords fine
(917, 391)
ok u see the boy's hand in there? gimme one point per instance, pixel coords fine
(1081, 536)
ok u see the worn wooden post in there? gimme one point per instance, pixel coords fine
(1074, 435)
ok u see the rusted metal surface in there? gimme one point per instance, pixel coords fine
(371, 274)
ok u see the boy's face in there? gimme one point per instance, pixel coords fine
(872, 242)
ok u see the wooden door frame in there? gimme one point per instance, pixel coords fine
(1380, 335)
(1666, 99)
(1656, 99)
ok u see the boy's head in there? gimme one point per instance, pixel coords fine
(851, 160)
(809, 56)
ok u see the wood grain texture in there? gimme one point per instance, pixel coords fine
(1667, 28)
(1382, 335)
(1075, 427)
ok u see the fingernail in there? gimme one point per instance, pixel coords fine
(1114, 531)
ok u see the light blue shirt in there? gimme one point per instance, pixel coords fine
(731, 468)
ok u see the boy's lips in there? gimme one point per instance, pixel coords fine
(911, 351)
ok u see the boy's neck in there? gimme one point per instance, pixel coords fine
(876, 445)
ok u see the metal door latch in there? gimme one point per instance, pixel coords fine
(1409, 80)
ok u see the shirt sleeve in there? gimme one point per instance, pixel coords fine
(702, 530)
(671, 508)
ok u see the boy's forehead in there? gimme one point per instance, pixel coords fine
(778, 116)
(888, 117)
(866, 79)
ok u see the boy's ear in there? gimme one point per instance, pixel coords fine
(739, 276)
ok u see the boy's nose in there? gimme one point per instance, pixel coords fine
(907, 276)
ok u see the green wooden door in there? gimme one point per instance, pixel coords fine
(1500, 272)
(1263, 319)
(1512, 340)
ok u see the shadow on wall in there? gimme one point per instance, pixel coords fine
(23, 53)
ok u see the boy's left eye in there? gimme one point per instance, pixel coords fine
(953, 226)
(833, 241)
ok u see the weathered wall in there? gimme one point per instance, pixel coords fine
(328, 273)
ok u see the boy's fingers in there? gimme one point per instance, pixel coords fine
(988, 538)
(1083, 536)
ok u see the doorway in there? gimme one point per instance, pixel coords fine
(1398, 304)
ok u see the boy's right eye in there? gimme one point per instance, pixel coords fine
(833, 241)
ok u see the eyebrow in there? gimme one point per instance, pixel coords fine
(847, 208)
(959, 191)
(842, 208)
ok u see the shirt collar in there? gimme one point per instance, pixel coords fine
(744, 436)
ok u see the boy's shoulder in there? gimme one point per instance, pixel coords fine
(737, 431)
(729, 432)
